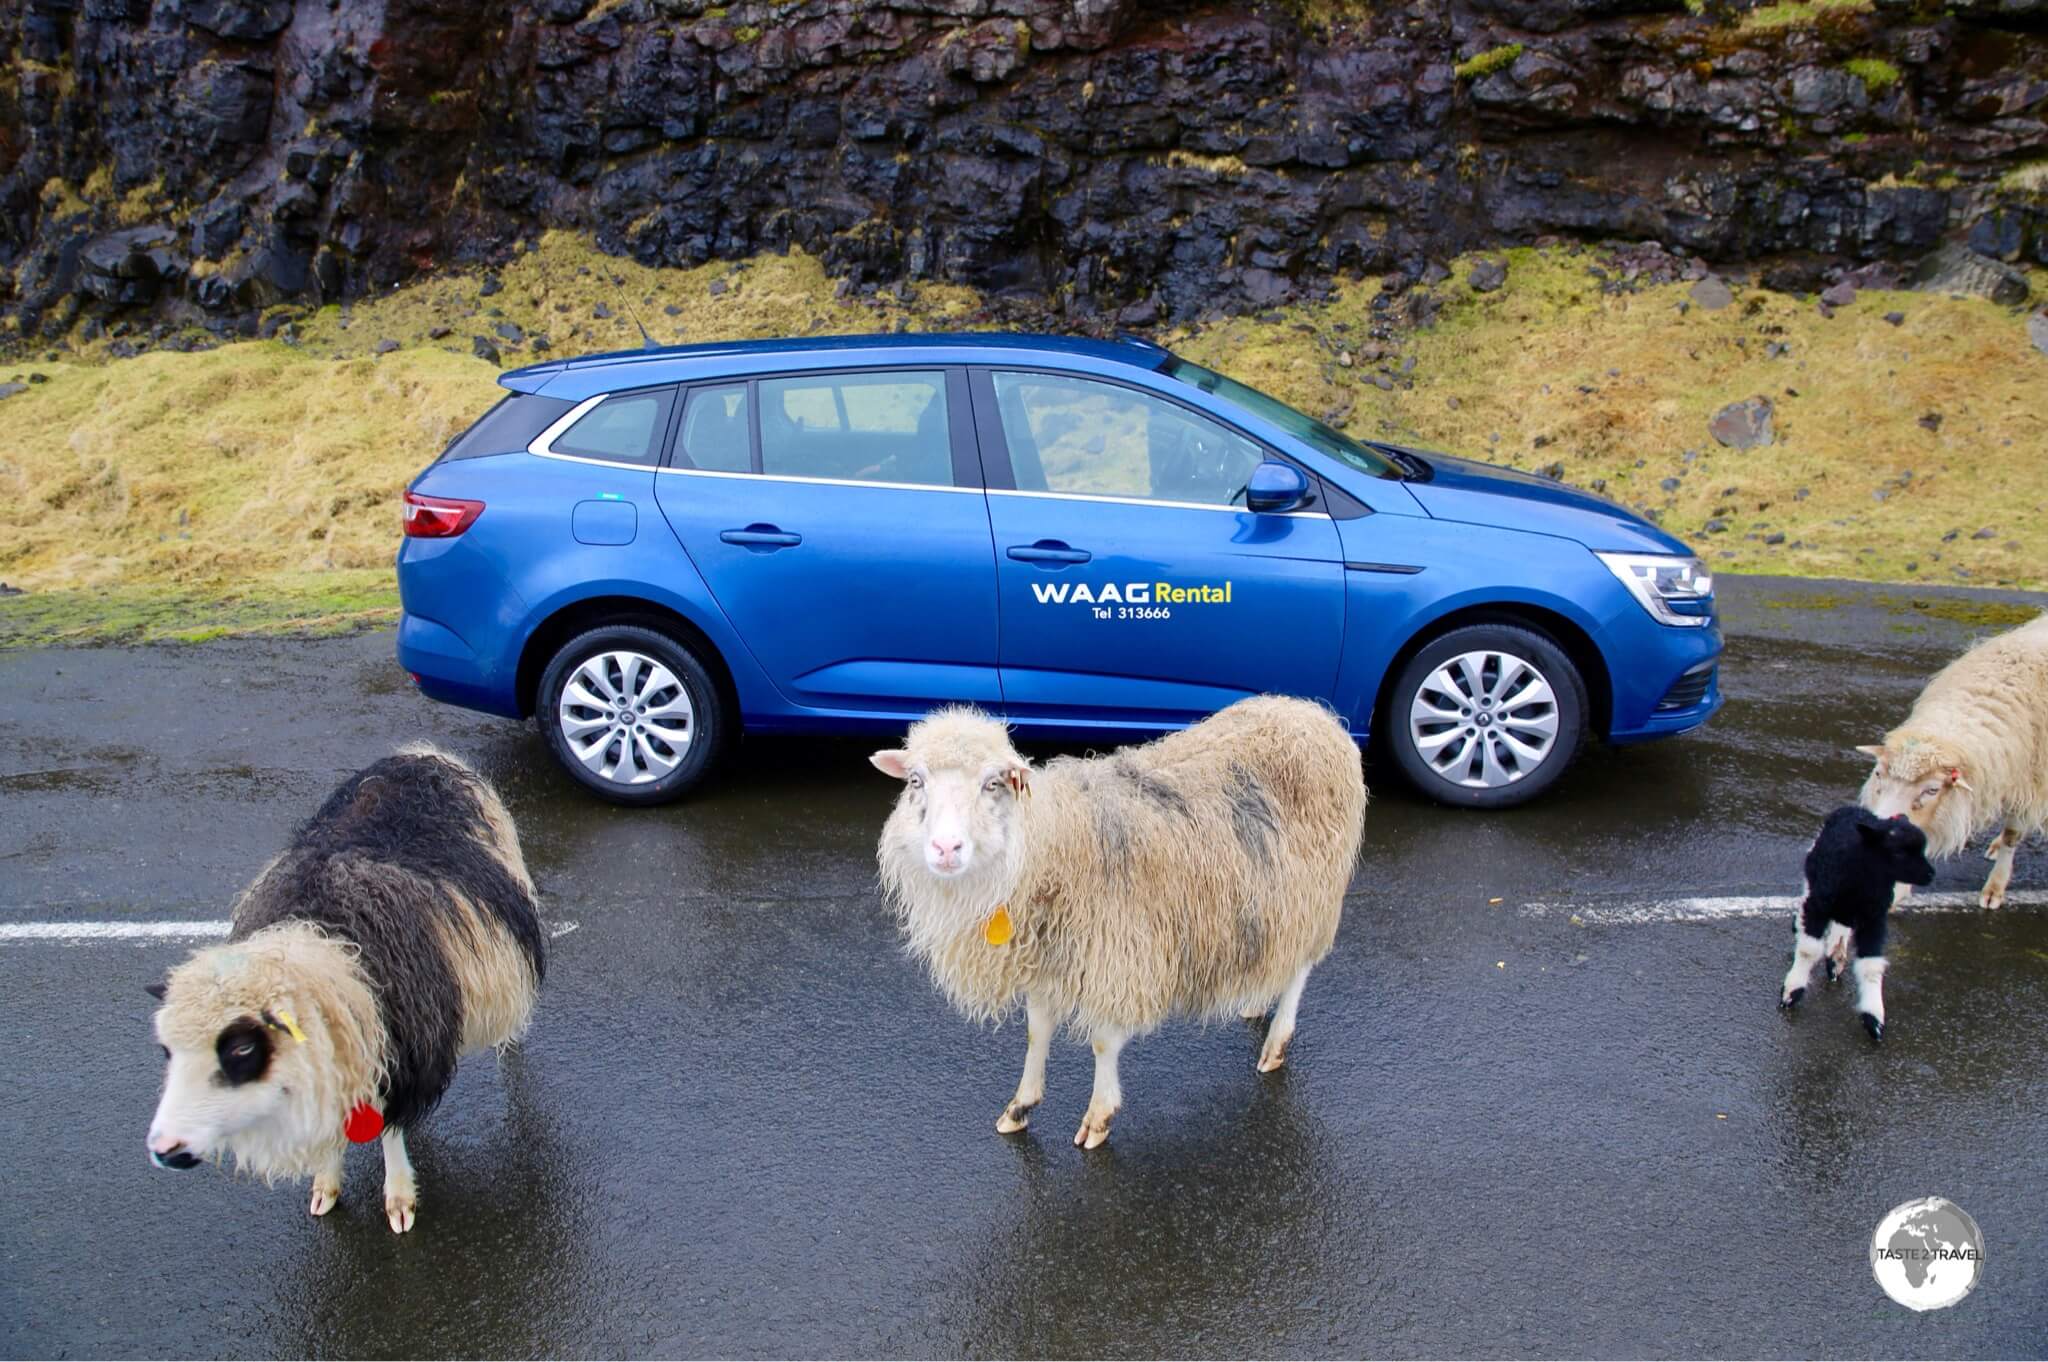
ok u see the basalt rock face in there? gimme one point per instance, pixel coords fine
(206, 159)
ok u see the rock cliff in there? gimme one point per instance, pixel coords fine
(203, 160)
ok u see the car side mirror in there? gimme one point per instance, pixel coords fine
(1274, 487)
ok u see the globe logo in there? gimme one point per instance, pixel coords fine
(1927, 1254)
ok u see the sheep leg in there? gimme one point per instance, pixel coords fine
(1806, 953)
(1109, 1093)
(2001, 853)
(1836, 942)
(327, 1184)
(1031, 1087)
(1870, 965)
(1281, 1030)
(401, 1190)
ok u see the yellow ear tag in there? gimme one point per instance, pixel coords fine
(291, 1026)
(999, 929)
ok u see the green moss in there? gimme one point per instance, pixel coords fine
(1855, 139)
(299, 603)
(746, 33)
(2031, 178)
(1984, 614)
(1327, 13)
(1488, 62)
(1877, 74)
(1799, 13)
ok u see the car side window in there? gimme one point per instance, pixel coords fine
(715, 431)
(1068, 434)
(889, 427)
(625, 428)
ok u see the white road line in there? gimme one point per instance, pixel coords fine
(1716, 909)
(76, 932)
(110, 931)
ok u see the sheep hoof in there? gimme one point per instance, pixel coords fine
(1013, 1119)
(1992, 898)
(1834, 971)
(1252, 1014)
(1791, 1000)
(1094, 1131)
(324, 1199)
(1872, 1025)
(1274, 1055)
(401, 1211)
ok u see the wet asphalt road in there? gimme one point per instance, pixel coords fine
(744, 1123)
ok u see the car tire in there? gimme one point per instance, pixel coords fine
(633, 714)
(1441, 723)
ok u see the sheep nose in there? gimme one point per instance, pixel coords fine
(175, 1156)
(948, 847)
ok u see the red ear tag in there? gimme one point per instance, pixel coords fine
(364, 1124)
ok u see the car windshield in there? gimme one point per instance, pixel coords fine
(1304, 428)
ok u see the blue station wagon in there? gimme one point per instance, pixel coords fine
(656, 550)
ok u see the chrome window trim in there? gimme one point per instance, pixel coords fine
(823, 482)
(542, 447)
(1151, 501)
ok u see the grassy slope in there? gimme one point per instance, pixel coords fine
(1501, 371)
(254, 487)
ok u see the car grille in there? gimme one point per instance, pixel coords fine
(1689, 689)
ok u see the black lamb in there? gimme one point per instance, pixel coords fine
(1851, 874)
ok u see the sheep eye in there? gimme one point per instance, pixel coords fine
(166, 1049)
(916, 781)
(994, 784)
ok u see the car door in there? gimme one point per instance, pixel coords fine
(1131, 590)
(838, 519)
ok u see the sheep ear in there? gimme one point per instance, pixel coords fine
(1019, 777)
(1870, 751)
(155, 991)
(1955, 778)
(892, 761)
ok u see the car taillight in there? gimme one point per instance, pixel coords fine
(439, 517)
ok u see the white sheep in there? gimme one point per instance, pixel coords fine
(396, 933)
(1198, 875)
(1973, 753)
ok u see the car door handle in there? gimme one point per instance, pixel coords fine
(1048, 551)
(761, 537)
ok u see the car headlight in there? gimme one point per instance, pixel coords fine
(1674, 590)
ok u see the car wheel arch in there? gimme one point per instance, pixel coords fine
(596, 612)
(1569, 635)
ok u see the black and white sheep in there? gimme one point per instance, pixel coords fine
(1851, 871)
(396, 932)
(1197, 875)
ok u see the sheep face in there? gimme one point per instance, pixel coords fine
(1901, 848)
(961, 783)
(238, 1076)
(1925, 783)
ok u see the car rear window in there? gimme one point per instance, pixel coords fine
(870, 427)
(507, 427)
(715, 435)
(624, 428)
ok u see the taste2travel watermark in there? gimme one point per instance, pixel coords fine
(1927, 1254)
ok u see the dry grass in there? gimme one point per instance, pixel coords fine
(1549, 369)
(221, 485)
(255, 486)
